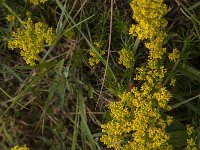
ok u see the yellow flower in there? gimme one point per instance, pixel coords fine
(162, 97)
(149, 16)
(31, 40)
(155, 47)
(175, 55)
(69, 34)
(190, 130)
(191, 145)
(126, 58)
(10, 18)
(173, 82)
(93, 60)
(37, 2)
(20, 148)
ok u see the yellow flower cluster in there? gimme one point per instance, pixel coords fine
(93, 60)
(10, 18)
(31, 40)
(173, 82)
(191, 145)
(118, 126)
(126, 58)
(149, 15)
(175, 55)
(37, 2)
(69, 34)
(136, 120)
(17, 147)
(136, 124)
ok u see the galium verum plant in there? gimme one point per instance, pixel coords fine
(31, 40)
(94, 60)
(137, 121)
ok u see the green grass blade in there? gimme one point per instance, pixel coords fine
(74, 141)
(86, 39)
(11, 71)
(93, 143)
(189, 71)
(188, 104)
(197, 4)
(185, 101)
(83, 136)
(55, 86)
(39, 66)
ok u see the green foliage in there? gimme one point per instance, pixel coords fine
(61, 102)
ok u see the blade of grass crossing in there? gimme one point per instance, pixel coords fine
(24, 91)
(60, 29)
(186, 103)
(86, 39)
(11, 98)
(83, 136)
(61, 24)
(7, 135)
(43, 65)
(94, 145)
(197, 4)
(11, 71)
(189, 72)
(191, 16)
(55, 86)
(75, 133)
